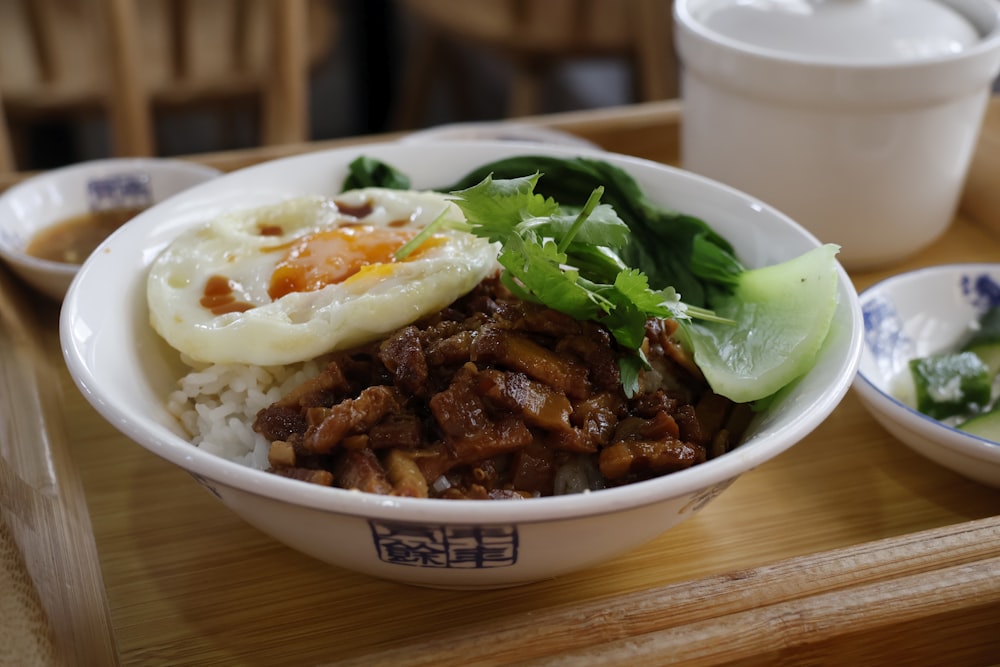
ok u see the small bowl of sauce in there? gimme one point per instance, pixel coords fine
(72, 240)
(51, 223)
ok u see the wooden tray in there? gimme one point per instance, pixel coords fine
(847, 549)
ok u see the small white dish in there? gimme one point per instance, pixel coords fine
(59, 195)
(915, 314)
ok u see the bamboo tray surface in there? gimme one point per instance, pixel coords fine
(846, 549)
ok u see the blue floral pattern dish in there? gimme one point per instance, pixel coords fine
(915, 314)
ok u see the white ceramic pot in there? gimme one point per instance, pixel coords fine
(857, 118)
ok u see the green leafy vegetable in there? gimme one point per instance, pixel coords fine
(673, 249)
(539, 243)
(571, 238)
(366, 172)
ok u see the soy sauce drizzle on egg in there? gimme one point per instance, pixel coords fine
(324, 257)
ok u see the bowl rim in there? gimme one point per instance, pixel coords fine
(888, 405)
(498, 130)
(891, 407)
(716, 473)
(920, 272)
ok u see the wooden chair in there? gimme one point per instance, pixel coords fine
(130, 58)
(535, 35)
(6, 152)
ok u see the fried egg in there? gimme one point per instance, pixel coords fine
(294, 280)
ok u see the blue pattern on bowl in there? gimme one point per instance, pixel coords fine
(884, 335)
(126, 190)
(463, 547)
(983, 290)
(884, 328)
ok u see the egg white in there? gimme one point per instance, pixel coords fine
(305, 325)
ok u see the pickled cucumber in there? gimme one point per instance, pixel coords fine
(985, 340)
(986, 425)
(951, 384)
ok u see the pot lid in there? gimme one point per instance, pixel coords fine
(842, 30)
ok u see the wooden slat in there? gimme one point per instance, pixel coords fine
(286, 113)
(648, 130)
(65, 45)
(7, 164)
(740, 615)
(534, 38)
(761, 635)
(43, 509)
(657, 76)
(127, 57)
(129, 104)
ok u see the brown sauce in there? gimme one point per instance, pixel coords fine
(72, 240)
(220, 298)
(362, 210)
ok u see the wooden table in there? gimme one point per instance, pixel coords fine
(847, 549)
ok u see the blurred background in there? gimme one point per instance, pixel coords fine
(83, 79)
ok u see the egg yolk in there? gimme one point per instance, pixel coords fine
(332, 256)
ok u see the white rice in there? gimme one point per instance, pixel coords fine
(217, 404)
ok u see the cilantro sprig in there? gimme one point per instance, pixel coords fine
(766, 325)
(567, 259)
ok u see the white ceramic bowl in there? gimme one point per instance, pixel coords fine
(498, 131)
(915, 314)
(868, 149)
(60, 194)
(124, 369)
